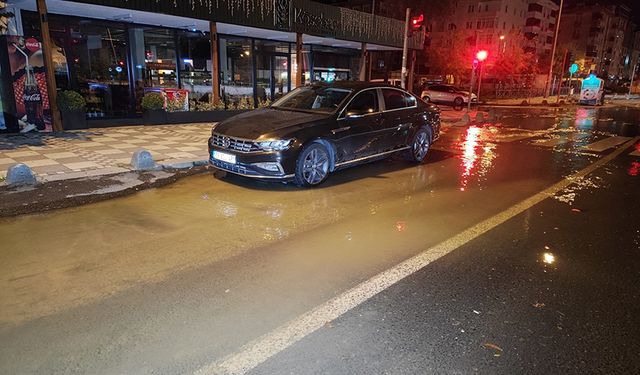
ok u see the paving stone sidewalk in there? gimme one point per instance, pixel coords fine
(101, 151)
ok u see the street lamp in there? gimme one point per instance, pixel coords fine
(504, 44)
(480, 56)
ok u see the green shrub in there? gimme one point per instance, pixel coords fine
(152, 100)
(69, 101)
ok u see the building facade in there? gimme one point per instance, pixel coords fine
(602, 37)
(113, 51)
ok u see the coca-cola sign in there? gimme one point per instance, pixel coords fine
(32, 44)
(35, 97)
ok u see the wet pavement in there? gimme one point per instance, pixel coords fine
(172, 279)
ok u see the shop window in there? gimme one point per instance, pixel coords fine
(100, 65)
(195, 64)
(236, 68)
(334, 64)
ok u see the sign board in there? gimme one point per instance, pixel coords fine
(573, 68)
(592, 90)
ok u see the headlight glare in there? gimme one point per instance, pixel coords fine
(277, 145)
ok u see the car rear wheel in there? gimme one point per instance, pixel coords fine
(312, 166)
(420, 145)
(458, 102)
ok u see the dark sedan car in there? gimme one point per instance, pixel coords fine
(317, 129)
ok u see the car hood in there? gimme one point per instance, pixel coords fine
(264, 122)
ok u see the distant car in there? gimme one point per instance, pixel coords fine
(317, 129)
(447, 94)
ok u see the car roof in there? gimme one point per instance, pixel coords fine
(353, 85)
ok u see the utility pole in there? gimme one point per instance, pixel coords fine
(633, 74)
(553, 51)
(405, 50)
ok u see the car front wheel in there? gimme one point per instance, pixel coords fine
(312, 166)
(420, 145)
(458, 102)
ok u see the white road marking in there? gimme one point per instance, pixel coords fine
(261, 349)
(553, 142)
(605, 144)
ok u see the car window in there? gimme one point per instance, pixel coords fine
(312, 98)
(394, 99)
(410, 99)
(364, 102)
(436, 88)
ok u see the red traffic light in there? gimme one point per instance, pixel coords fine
(482, 55)
(417, 21)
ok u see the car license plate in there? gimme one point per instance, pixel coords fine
(223, 156)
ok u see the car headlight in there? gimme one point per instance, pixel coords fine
(277, 145)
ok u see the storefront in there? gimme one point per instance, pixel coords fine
(112, 52)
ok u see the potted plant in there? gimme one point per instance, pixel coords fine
(153, 105)
(73, 110)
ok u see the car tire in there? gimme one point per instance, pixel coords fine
(312, 166)
(458, 102)
(419, 146)
(427, 99)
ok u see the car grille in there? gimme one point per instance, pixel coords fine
(231, 143)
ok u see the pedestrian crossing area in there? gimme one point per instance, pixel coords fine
(556, 139)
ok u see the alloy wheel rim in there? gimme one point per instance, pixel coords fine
(421, 146)
(315, 166)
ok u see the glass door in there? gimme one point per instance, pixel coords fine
(272, 72)
(280, 72)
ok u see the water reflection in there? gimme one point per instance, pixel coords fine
(548, 258)
(477, 153)
(634, 169)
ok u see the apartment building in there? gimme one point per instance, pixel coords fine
(602, 37)
(498, 25)
(540, 28)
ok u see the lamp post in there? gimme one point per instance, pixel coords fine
(504, 44)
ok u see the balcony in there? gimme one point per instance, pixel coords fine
(533, 22)
(533, 7)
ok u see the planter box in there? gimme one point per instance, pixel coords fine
(74, 120)
(155, 117)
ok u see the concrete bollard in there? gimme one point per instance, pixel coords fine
(20, 174)
(465, 120)
(142, 161)
(493, 116)
(480, 117)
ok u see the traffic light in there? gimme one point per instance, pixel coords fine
(417, 22)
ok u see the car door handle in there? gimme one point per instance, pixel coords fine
(340, 130)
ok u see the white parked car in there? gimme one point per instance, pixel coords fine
(447, 94)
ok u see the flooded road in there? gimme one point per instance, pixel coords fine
(168, 280)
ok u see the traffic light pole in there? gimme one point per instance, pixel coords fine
(405, 50)
(473, 76)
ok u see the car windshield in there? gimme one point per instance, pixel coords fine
(316, 99)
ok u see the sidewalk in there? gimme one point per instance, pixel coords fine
(102, 151)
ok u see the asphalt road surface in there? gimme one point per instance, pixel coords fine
(513, 249)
